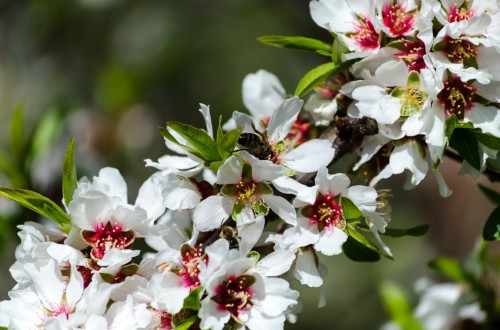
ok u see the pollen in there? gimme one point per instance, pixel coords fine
(456, 14)
(412, 101)
(364, 34)
(457, 97)
(397, 19)
(326, 213)
(247, 192)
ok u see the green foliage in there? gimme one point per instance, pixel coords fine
(492, 195)
(193, 301)
(357, 251)
(398, 306)
(349, 209)
(466, 145)
(452, 269)
(297, 42)
(315, 77)
(69, 179)
(414, 231)
(187, 323)
(491, 230)
(37, 203)
(228, 142)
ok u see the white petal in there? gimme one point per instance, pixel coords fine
(150, 196)
(169, 291)
(487, 118)
(262, 93)
(212, 212)
(310, 156)
(230, 171)
(282, 208)
(283, 118)
(330, 241)
(306, 270)
(205, 111)
(250, 234)
(279, 297)
(331, 183)
(181, 194)
(365, 198)
(276, 263)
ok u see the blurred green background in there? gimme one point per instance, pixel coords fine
(108, 72)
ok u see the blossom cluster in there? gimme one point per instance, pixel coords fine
(216, 234)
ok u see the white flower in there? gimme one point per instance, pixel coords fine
(236, 290)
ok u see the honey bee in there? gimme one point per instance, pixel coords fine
(355, 128)
(256, 144)
(231, 235)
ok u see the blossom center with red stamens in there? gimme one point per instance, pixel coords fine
(235, 294)
(459, 50)
(456, 97)
(412, 55)
(364, 34)
(165, 319)
(397, 19)
(107, 236)
(299, 132)
(456, 14)
(190, 261)
(326, 213)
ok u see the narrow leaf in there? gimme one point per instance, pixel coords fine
(360, 238)
(219, 131)
(349, 209)
(228, 142)
(466, 145)
(37, 203)
(491, 230)
(491, 194)
(297, 42)
(359, 252)
(171, 138)
(45, 132)
(197, 139)
(487, 139)
(69, 180)
(193, 300)
(315, 77)
(415, 231)
(187, 323)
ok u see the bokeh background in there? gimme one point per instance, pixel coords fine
(108, 72)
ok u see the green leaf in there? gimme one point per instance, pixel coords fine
(315, 77)
(491, 230)
(398, 306)
(187, 323)
(415, 231)
(360, 238)
(349, 209)
(228, 142)
(193, 300)
(358, 252)
(491, 194)
(219, 131)
(452, 122)
(198, 139)
(171, 138)
(486, 139)
(466, 145)
(338, 49)
(69, 180)
(297, 42)
(37, 203)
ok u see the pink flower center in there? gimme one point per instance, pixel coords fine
(397, 19)
(412, 55)
(107, 236)
(191, 263)
(456, 14)
(364, 34)
(325, 212)
(234, 295)
(165, 320)
(299, 132)
(459, 50)
(456, 97)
